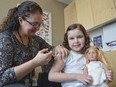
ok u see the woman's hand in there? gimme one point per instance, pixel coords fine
(43, 57)
(60, 50)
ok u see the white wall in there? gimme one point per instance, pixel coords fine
(108, 33)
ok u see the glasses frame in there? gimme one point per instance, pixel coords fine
(32, 24)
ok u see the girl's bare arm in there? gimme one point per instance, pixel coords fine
(56, 74)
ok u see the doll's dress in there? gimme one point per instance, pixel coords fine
(95, 69)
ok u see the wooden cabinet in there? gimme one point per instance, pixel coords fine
(84, 13)
(110, 57)
(103, 10)
(70, 15)
(90, 13)
(115, 3)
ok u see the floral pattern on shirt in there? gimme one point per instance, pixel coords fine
(13, 53)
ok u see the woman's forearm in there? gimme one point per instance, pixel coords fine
(24, 69)
(42, 58)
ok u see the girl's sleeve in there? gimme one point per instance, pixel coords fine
(7, 74)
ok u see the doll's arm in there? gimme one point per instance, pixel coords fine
(106, 69)
(85, 71)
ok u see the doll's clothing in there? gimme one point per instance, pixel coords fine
(100, 85)
(95, 69)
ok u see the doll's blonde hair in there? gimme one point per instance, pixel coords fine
(100, 56)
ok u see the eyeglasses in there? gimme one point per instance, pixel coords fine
(35, 25)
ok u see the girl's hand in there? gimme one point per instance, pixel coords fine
(43, 57)
(60, 50)
(109, 75)
(85, 79)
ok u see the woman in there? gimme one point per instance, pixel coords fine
(21, 51)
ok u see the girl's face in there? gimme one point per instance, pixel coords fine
(31, 24)
(92, 55)
(76, 40)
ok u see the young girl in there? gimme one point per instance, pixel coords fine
(96, 67)
(76, 40)
(69, 71)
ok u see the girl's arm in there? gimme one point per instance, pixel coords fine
(109, 75)
(56, 75)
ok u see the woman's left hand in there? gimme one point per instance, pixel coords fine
(109, 75)
(60, 50)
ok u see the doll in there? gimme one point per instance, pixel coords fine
(96, 67)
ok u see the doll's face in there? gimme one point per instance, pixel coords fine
(92, 55)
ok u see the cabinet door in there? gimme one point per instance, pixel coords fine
(115, 3)
(70, 15)
(84, 13)
(103, 10)
(114, 8)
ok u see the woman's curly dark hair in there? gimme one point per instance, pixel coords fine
(25, 9)
(81, 28)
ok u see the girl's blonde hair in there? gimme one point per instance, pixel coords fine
(100, 56)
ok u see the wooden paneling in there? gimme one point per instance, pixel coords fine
(111, 57)
(90, 13)
(103, 10)
(70, 15)
(84, 13)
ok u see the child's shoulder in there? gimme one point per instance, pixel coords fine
(75, 53)
(74, 56)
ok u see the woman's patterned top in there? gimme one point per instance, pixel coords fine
(13, 53)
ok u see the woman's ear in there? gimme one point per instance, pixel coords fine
(20, 19)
